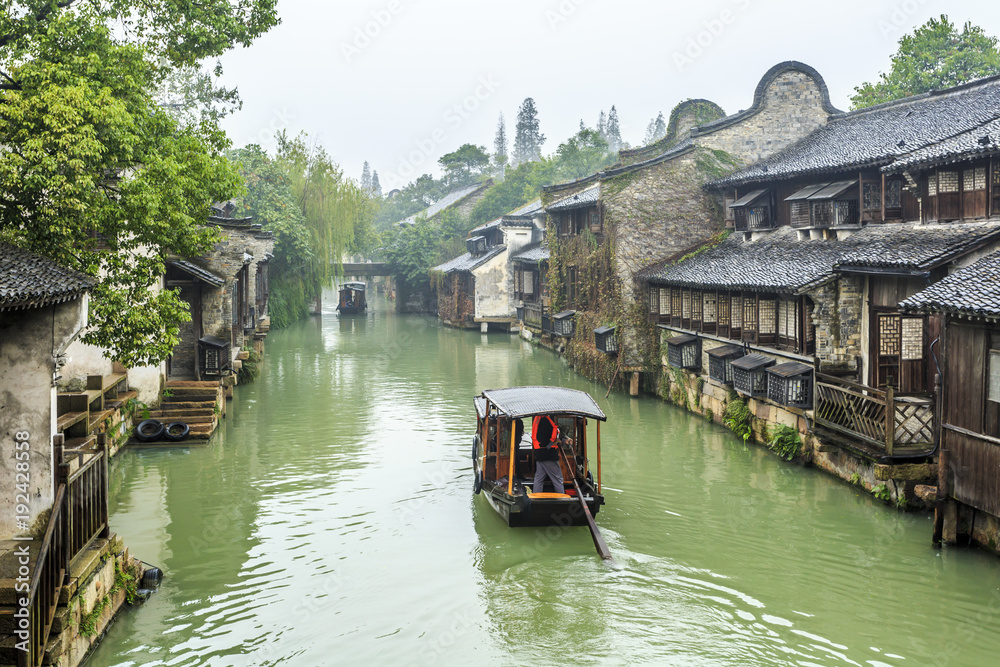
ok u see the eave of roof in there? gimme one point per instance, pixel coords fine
(970, 292)
(28, 280)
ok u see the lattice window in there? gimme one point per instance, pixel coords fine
(686, 304)
(766, 308)
(871, 195)
(968, 180)
(737, 312)
(994, 379)
(665, 301)
(529, 282)
(723, 308)
(980, 180)
(947, 181)
(519, 281)
(654, 300)
(932, 185)
(912, 343)
(889, 335)
(750, 314)
(810, 329)
(708, 312)
(894, 194)
(675, 298)
(696, 304)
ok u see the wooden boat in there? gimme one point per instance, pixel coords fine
(352, 299)
(507, 480)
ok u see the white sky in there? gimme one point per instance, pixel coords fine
(431, 75)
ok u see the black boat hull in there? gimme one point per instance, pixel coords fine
(520, 510)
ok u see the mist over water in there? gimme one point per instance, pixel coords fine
(331, 522)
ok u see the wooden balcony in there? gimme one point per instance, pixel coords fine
(885, 424)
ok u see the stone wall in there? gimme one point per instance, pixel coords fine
(658, 211)
(226, 260)
(838, 314)
(791, 106)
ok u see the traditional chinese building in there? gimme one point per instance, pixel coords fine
(477, 289)
(651, 205)
(828, 238)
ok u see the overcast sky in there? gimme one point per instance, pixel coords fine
(401, 82)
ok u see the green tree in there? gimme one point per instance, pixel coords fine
(935, 56)
(582, 154)
(521, 185)
(614, 134)
(94, 173)
(656, 130)
(464, 166)
(500, 158)
(527, 138)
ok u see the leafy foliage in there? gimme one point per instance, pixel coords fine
(935, 56)
(738, 419)
(465, 166)
(784, 441)
(583, 154)
(656, 130)
(96, 175)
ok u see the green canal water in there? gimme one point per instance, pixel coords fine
(332, 522)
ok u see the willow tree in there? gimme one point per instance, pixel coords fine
(337, 212)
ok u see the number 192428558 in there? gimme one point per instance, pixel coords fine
(22, 479)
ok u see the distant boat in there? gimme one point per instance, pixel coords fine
(507, 480)
(352, 299)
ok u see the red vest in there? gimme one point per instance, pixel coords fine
(534, 432)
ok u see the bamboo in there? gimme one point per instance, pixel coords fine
(510, 476)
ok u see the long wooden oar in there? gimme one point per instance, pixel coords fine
(599, 543)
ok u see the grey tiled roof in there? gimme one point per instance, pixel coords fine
(28, 280)
(980, 140)
(528, 209)
(780, 262)
(975, 290)
(535, 253)
(585, 197)
(880, 135)
(198, 272)
(911, 246)
(440, 205)
(468, 261)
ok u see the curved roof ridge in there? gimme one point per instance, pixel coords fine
(758, 95)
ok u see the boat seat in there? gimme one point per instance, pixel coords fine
(548, 495)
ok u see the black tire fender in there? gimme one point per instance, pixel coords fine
(149, 430)
(477, 481)
(181, 428)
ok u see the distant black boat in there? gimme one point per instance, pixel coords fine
(352, 299)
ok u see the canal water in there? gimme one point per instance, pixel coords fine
(332, 522)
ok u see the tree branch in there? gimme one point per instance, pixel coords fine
(11, 85)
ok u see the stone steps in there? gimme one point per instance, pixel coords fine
(189, 417)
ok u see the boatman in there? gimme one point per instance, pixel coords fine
(545, 441)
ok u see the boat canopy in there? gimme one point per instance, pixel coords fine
(517, 402)
(354, 285)
(480, 406)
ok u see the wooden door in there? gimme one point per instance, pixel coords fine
(898, 351)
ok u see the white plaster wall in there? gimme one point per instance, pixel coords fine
(492, 293)
(29, 342)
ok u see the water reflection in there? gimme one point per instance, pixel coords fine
(332, 522)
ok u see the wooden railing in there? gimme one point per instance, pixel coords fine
(79, 515)
(87, 502)
(51, 567)
(874, 416)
